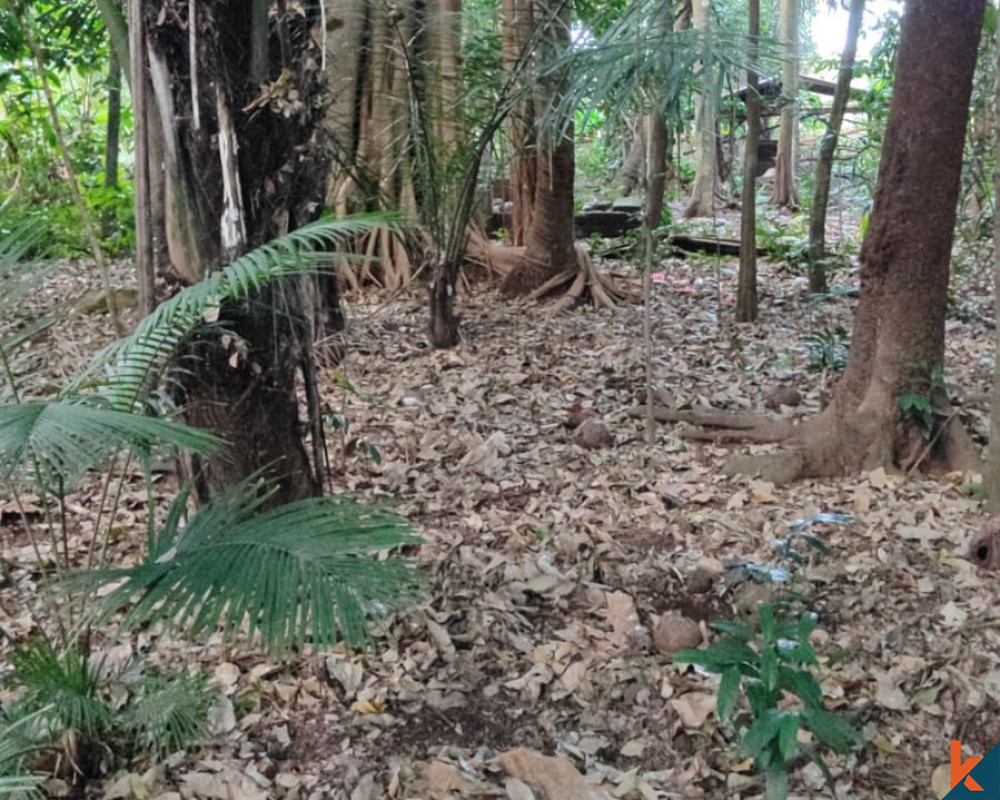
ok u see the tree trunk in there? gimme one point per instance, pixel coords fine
(144, 268)
(991, 475)
(783, 190)
(827, 149)
(248, 166)
(898, 335)
(518, 24)
(706, 189)
(549, 248)
(658, 158)
(746, 293)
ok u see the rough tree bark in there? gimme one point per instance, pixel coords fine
(746, 292)
(783, 191)
(549, 246)
(899, 324)
(706, 189)
(827, 149)
(991, 476)
(518, 24)
(244, 163)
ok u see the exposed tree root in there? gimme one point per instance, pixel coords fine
(721, 426)
(827, 446)
(582, 282)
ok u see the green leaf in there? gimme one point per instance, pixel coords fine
(835, 732)
(765, 612)
(762, 732)
(776, 783)
(729, 690)
(802, 684)
(719, 655)
(736, 629)
(55, 442)
(769, 669)
(299, 574)
(788, 742)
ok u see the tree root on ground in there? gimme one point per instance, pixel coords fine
(582, 282)
(822, 447)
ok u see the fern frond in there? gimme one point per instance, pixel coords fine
(306, 572)
(128, 369)
(56, 442)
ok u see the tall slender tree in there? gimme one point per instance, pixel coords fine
(706, 188)
(746, 292)
(827, 149)
(783, 189)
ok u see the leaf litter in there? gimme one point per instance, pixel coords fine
(532, 671)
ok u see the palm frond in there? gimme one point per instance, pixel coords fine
(167, 712)
(64, 683)
(306, 572)
(16, 749)
(55, 442)
(127, 370)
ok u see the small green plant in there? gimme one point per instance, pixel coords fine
(67, 704)
(920, 403)
(767, 660)
(827, 350)
(769, 664)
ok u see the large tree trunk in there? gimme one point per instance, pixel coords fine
(549, 248)
(898, 332)
(244, 163)
(746, 292)
(827, 149)
(707, 189)
(783, 190)
(991, 476)
(518, 24)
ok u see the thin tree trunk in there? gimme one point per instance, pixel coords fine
(658, 159)
(827, 149)
(144, 267)
(24, 26)
(518, 23)
(746, 295)
(783, 190)
(113, 139)
(705, 191)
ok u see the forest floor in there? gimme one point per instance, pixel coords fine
(544, 556)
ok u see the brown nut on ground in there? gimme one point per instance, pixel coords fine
(593, 435)
(700, 580)
(674, 632)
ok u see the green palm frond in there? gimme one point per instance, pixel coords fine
(23, 787)
(55, 442)
(63, 684)
(16, 750)
(167, 712)
(306, 572)
(127, 370)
